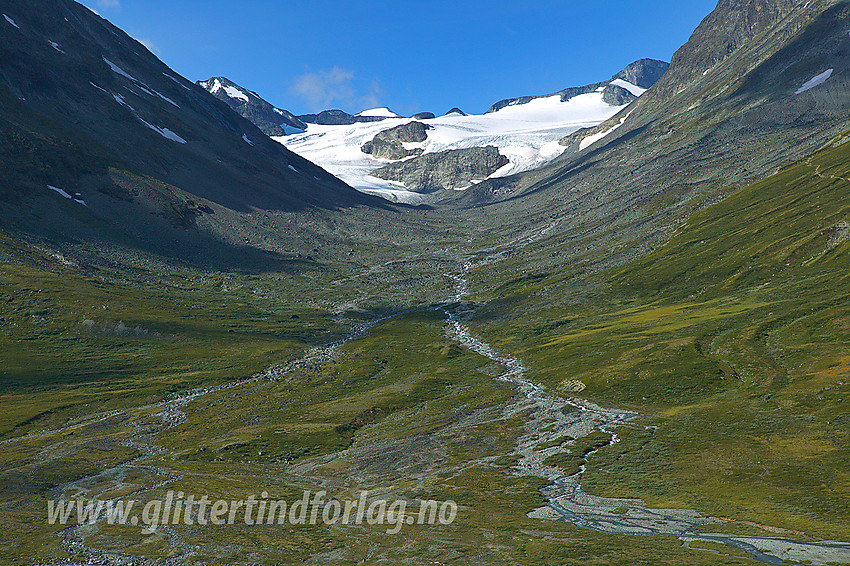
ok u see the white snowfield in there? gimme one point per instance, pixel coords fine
(379, 113)
(527, 134)
(815, 81)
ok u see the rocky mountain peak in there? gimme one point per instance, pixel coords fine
(644, 72)
(272, 121)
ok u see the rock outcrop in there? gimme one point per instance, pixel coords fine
(389, 144)
(452, 169)
(337, 118)
(617, 96)
(643, 73)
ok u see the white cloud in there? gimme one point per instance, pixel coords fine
(322, 88)
(330, 88)
(96, 5)
(372, 99)
(152, 47)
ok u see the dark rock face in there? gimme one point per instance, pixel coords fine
(389, 144)
(337, 118)
(455, 168)
(643, 73)
(383, 149)
(272, 121)
(617, 96)
(149, 152)
(732, 25)
(424, 116)
(456, 110)
(726, 114)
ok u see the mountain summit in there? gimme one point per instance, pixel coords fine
(272, 121)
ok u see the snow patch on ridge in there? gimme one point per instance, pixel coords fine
(815, 81)
(164, 132)
(592, 139)
(60, 191)
(234, 92)
(165, 98)
(177, 81)
(379, 113)
(230, 91)
(11, 21)
(76, 198)
(120, 100)
(139, 84)
(634, 89)
(119, 71)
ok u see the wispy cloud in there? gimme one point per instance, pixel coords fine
(321, 89)
(152, 47)
(325, 89)
(97, 5)
(372, 99)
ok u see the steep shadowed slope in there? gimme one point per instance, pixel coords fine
(89, 111)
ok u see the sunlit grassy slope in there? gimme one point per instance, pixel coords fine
(733, 339)
(71, 343)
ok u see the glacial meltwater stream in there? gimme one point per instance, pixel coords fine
(553, 418)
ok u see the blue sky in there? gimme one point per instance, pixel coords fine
(308, 55)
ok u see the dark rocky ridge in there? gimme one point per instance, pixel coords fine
(160, 163)
(269, 119)
(389, 143)
(337, 118)
(736, 43)
(732, 25)
(451, 169)
(643, 73)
